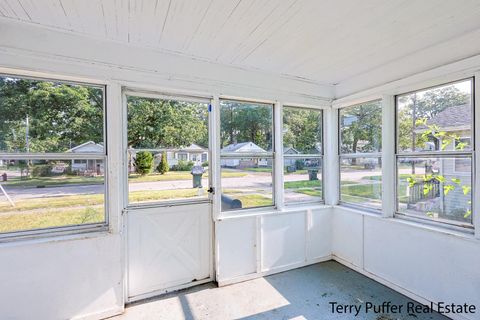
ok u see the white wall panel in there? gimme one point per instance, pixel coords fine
(348, 236)
(237, 249)
(283, 240)
(61, 279)
(319, 234)
(433, 265)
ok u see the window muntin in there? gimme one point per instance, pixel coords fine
(172, 129)
(435, 152)
(246, 154)
(42, 190)
(302, 155)
(360, 136)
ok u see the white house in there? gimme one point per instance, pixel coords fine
(87, 166)
(245, 148)
(195, 153)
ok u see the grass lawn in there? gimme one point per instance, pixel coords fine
(253, 200)
(310, 192)
(133, 178)
(50, 218)
(302, 184)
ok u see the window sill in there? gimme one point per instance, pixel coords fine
(56, 236)
(249, 213)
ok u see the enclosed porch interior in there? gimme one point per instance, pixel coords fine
(236, 159)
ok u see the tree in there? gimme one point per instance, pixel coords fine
(144, 162)
(361, 124)
(302, 129)
(414, 110)
(243, 122)
(154, 123)
(163, 165)
(59, 115)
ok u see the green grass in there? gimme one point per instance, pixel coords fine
(253, 200)
(133, 178)
(310, 192)
(303, 171)
(50, 218)
(302, 184)
(52, 181)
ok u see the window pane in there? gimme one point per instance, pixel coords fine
(246, 183)
(48, 116)
(246, 126)
(361, 181)
(50, 193)
(168, 150)
(437, 119)
(302, 131)
(361, 128)
(302, 180)
(432, 188)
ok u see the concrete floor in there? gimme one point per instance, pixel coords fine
(303, 293)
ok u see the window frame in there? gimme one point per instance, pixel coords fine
(439, 154)
(269, 155)
(161, 95)
(368, 155)
(67, 229)
(320, 156)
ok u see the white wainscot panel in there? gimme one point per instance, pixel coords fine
(348, 236)
(431, 264)
(319, 236)
(61, 279)
(237, 250)
(283, 240)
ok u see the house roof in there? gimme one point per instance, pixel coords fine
(88, 146)
(193, 147)
(453, 117)
(243, 147)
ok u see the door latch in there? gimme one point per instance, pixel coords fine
(211, 190)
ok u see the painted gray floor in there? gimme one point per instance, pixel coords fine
(303, 293)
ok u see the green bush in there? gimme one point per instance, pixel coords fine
(183, 165)
(163, 165)
(143, 162)
(205, 164)
(41, 170)
(299, 164)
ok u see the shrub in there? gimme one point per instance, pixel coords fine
(205, 164)
(183, 165)
(299, 164)
(143, 162)
(42, 170)
(163, 165)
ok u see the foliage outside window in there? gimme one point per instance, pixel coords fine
(302, 155)
(360, 137)
(167, 140)
(38, 190)
(434, 153)
(246, 155)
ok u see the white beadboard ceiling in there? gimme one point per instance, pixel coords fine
(327, 41)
